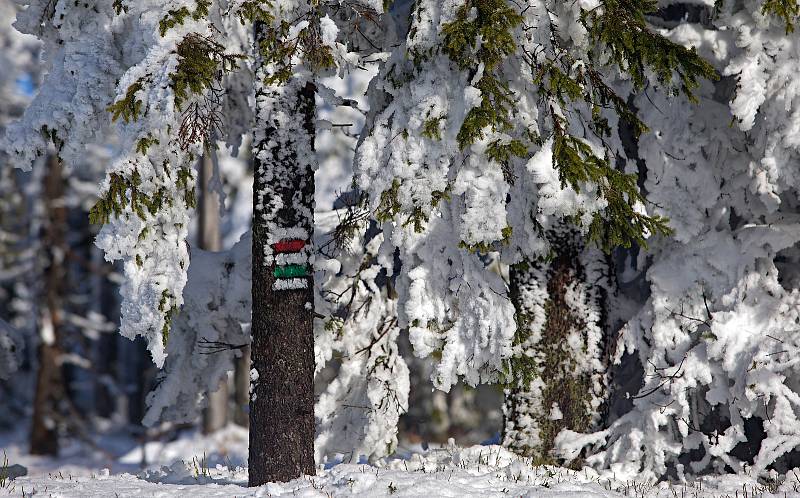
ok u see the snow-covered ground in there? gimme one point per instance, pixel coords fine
(212, 466)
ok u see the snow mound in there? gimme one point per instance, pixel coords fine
(227, 446)
(478, 471)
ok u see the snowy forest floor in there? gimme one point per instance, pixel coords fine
(213, 466)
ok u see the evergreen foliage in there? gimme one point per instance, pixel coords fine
(201, 63)
(620, 225)
(787, 10)
(544, 371)
(485, 34)
(129, 107)
(201, 60)
(277, 48)
(490, 124)
(620, 29)
(178, 16)
(124, 191)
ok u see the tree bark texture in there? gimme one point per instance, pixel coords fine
(49, 379)
(241, 391)
(282, 371)
(559, 364)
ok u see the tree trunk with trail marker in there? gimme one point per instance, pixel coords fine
(282, 370)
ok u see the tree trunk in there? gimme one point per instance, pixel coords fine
(241, 391)
(49, 381)
(103, 295)
(215, 415)
(558, 369)
(282, 375)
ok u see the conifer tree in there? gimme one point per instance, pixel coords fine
(170, 88)
(494, 124)
(716, 336)
(565, 376)
(493, 135)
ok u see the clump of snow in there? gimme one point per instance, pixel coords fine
(292, 283)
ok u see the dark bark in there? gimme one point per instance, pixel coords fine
(241, 391)
(44, 433)
(137, 375)
(49, 379)
(106, 356)
(282, 399)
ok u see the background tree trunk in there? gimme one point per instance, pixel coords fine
(49, 379)
(104, 302)
(215, 415)
(558, 369)
(241, 391)
(282, 391)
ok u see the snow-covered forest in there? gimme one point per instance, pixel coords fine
(413, 247)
